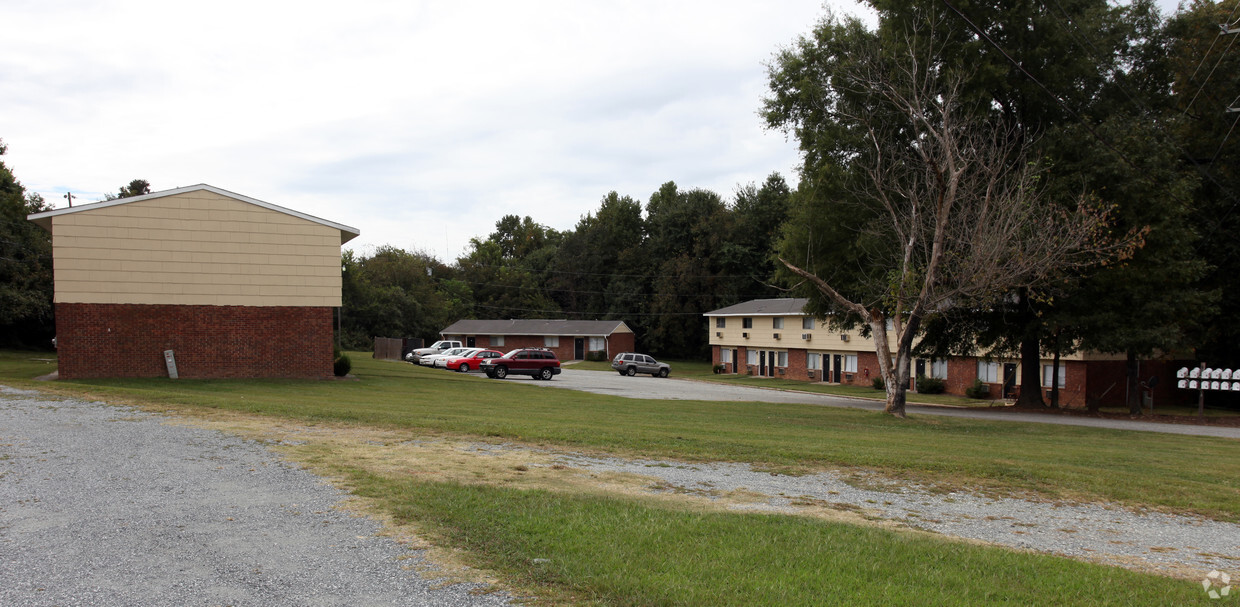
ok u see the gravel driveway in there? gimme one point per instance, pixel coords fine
(104, 505)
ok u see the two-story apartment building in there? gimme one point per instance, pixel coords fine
(776, 338)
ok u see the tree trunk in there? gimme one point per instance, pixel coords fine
(1030, 375)
(1134, 385)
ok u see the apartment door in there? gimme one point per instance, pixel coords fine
(1009, 380)
(836, 364)
(736, 362)
(469, 342)
(762, 363)
(579, 348)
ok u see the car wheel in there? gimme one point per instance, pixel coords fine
(501, 372)
(621, 372)
(545, 374)
(664, 372)
(631, 371)
(464, 368)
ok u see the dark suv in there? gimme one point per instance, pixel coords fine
(535, 362)
(631, 363)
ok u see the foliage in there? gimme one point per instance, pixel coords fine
(877, 383)
(978, 390)
(596, 355)
(26, 312)
(342, 365)
(930, 385)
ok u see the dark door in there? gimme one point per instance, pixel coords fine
(762, 362)
(921, 372)
(770, 364)
(469, 341)
(1009, 379)
(735, 362)
(579, 348)
(839, 377)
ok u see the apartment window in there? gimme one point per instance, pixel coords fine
(988, 372)
(807, 323)
(781, 359)
(725, 356)
(1047, 370)
(813, 361)
(598, 344)
(752, 356)
(850, 363)
(938, 368)
(497, 341)
(553, 341)
(721, 323)
(777, 323)
(746, 323)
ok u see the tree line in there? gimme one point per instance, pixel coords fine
(656, 266)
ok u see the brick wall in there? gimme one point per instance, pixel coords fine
(128, 340)
(617, 343)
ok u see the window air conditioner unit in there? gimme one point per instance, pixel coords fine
(777, 336)
(806, 336)
(843, 337)
(745, 335)
(718, 333)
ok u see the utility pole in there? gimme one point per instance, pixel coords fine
(69, 197)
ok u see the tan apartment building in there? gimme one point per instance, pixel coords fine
(776, 338)
(231, 285)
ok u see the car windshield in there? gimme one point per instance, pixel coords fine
(512, 353)
(454, 351)
(469, 353)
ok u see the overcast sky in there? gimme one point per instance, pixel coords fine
(420, 123)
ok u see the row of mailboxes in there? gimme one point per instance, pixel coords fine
(1196, 373)
(1193, 384)
(1208, 379)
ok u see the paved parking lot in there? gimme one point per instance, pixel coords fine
(647, 387)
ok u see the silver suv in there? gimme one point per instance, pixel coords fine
(629, 363)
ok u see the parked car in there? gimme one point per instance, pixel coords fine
(440, 361)
(536, 362)
(415, 356)
(631, 363)
(429, 359)
(470, 361)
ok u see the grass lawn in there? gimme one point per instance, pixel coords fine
(625, 551)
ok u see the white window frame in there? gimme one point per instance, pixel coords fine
(1046, 375)
(747, 323)
(598, 344)
(850, 363)
(813, 361)
(777, 323)
(781, 358)
(938, 368)
(725, 356)
(497, 341)
(751, 357)
(721, 322)
(988, 372)
(553, 341)
(807, 323)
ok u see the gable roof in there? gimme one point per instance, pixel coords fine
(787, 306)
(44, 219)
(537, 326)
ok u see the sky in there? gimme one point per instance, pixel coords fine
(419, 123)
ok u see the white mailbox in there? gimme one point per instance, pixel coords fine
(1226, 373)
(1192, 384)
(1194, 373)
(1183, 383)
(1183, 372)
(1214, 385)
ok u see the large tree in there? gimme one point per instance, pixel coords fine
(25, 265)
(915, 199)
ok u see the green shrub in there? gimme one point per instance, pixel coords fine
(878, 383)
(718, 369)
(930, 385)
(979, 389)
(342, 366)
(597, 356)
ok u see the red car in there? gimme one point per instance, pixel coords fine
(465, 364)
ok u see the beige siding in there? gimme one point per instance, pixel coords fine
(821, 339)
(197, 248)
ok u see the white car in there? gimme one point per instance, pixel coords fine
(441, 361)
(436, 348)
(429, 359)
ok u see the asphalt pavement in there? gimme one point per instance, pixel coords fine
(672, 388)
